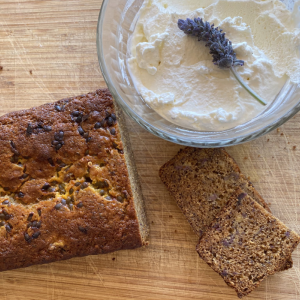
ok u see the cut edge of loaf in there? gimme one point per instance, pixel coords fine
(138, 198)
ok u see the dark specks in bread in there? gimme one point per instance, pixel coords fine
(201, 181)
(246, 243)
(57, 171)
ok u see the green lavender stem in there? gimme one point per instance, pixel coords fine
(246, 86)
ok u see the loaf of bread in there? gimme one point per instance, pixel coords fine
(202, 181)
(246, 243)
(68, 185)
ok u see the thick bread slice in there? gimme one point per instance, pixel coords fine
(246, 243)
(68, 184)
(202, 181)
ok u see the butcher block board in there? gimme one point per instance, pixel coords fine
(55, 40)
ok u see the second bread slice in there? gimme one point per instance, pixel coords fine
(245, 243)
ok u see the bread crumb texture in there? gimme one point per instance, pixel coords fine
(245, 243)
(202, 181)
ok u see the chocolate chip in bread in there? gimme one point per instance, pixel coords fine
(68, 185)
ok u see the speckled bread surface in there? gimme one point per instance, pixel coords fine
(68, 185)
(201, 181)
(246, 243)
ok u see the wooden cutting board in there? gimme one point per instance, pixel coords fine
(55, 40)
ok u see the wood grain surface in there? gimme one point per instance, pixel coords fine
(55, 40)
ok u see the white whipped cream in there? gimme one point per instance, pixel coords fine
(176, 77)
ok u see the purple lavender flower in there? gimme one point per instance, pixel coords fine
(220, 47)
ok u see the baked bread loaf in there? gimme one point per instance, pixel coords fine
(246, 243)
(202, 181)
(68, 185)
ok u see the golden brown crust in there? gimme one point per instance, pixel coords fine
(246, 243)
(64, 183)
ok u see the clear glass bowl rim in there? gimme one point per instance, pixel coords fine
(161, 133)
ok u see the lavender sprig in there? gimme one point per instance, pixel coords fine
(220, 47)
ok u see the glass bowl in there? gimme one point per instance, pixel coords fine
(116, 23)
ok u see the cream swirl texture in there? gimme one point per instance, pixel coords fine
(176, 77)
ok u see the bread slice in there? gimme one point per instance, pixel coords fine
(68, 184)
(246, 243)
(201, 181)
